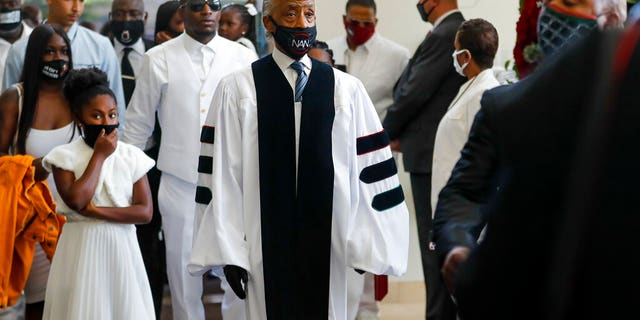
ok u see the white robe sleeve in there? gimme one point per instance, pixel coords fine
(220, 238)
(378, 233)
(140, 116)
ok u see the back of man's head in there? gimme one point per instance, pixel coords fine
(363, 3)
(134, 4)
(441, 8)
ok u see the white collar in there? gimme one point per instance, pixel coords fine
(26, 31)
(444, 16)
(73, 31)
(284, 61)
(138, 46)
(192, 44)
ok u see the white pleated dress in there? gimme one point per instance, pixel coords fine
(97, 272)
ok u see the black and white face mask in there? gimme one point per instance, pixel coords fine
(296, 42)
(10, 19)
(127, 32)
(55, 70)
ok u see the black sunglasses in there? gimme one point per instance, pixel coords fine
(198, 5)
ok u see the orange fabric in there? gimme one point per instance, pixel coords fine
(27, 217)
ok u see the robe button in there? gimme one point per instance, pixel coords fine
(202, 94)
(203, 110)
(49, 243)
(34, 236)
(50, 228)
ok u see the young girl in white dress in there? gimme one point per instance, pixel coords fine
(97, 272)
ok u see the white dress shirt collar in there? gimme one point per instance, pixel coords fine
(202, 55)
(73, 31)
(138, 46)
(193, 45)
(284, 61)
(371, 43)
(444, 16)
(26, 31)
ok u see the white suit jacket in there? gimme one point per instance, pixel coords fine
(168, 83)
(453, 130)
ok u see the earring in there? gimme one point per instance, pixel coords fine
(243, 33)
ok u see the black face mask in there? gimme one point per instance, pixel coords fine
(423, 14)
(10, 19)
(127, 32)
(55, 70)
(91, 132)
(294, 41)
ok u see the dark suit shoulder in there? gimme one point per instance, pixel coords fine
(445, 32)
(148, 44)
(449, 25)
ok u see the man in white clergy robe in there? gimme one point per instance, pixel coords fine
(297, 181)
(177, 80)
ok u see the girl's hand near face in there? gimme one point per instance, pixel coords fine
(106, 144)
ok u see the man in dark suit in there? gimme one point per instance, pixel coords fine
(421, 97)
(547, 143)
(126, 25)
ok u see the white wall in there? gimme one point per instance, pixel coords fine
(399, 20)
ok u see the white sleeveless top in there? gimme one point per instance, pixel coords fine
(40, 142)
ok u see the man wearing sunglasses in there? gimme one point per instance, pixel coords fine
(302, 188)
(177, 81)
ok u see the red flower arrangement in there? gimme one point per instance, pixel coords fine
(526, 51)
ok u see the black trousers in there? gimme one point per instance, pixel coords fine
(440, 306)
(150, 240)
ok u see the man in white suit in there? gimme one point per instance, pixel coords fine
(177, 80)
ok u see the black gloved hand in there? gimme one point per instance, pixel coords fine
(236, 276)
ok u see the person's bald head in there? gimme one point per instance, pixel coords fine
(123, 10)
(437, 8)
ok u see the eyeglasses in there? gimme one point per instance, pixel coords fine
(198, 5)
(355, 22)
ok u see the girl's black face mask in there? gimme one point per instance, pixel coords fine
(296, 42)
(91, 132)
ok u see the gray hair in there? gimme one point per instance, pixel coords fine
(266, 7)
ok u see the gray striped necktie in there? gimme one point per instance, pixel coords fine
(301, 81)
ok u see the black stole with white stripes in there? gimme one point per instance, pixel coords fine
(296, 223)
